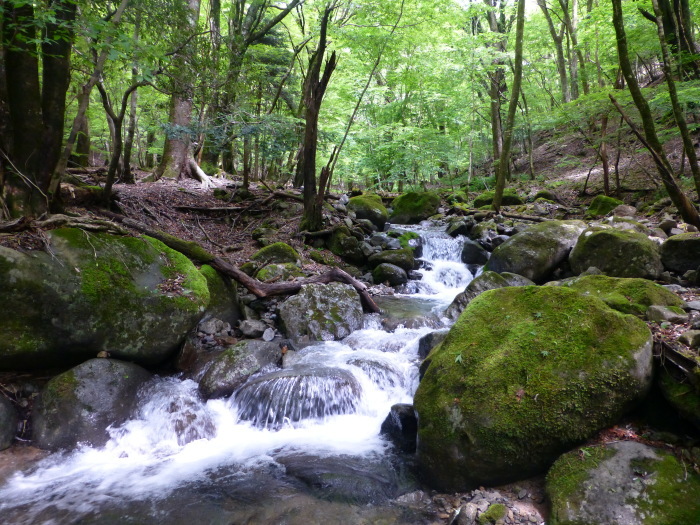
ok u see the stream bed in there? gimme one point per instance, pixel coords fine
(297, 445)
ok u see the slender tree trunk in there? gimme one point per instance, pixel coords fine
(558, 39)
(127, 174)
(512, 106)
(682, 203)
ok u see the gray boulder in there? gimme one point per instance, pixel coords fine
(228, 371)
(322, 312)
(616, 253)
(681, 253)
(474, 253)
(623, 483)
(77, 406)
(8, 422)
(89, 292)
(484, 281)
(536, 252)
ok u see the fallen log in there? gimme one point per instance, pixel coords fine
(260, 289)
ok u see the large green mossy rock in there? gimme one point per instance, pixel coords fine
(77, 406)
(130, 296)
(510, 198)
(278, 252)
(536, 252)
(344, 243)
(484, 281)
(525, 374)
(413, 207)
(602, 205)
(627, 295)
(322, 312)
(402, 258)
(681, 253)
(616, 253)
(623, 483)
(223, 303)
(370, 207)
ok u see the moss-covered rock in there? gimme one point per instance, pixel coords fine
(345, 244)
(616, 253)
(626, 295)
(278, 272)
(389, 273)
(413, 207)
(278, 252)
(602, 205)
(322, 257)
(525, 374)
(510, 198)
(223, 302)
(322, 312)
(622, 483)
(536, 252)
(402, 258)
(370, 207)
(132, 297)
(486, 280)
(77, 406)
(681, 253)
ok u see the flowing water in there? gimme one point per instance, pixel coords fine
(293, 445)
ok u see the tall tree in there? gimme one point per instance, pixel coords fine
(315, 86)
(36, 76)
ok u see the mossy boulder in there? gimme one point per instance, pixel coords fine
(536, 252)
(228, 371)
(278, 272)
(369, 207)
(486, 280)
(413, 207)
(223, 294)
(8, 423)
(525, 374)
(474, 253)
(322, 312)
(616, 253)
(627, 295)
(130, 296)
(681, 253)
(402, 258)
(602, 205)
(622, 483)
(77, 406)
(510, 198)
(389, 273)
(278, 252)
(347, 245)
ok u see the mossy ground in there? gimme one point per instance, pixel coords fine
(526, 369)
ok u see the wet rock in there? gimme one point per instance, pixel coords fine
(538, 251)
(616, 253)
(474, 253)
(228, 371)
(402, 258)
(390, 274)
(461, 227)
(626, 483)
(8, 422)
(485, 419)
(430, 341)
(323, 312)
(401, 426)
(487, 280)
(78, 405)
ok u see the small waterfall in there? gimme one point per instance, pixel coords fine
(289, 396)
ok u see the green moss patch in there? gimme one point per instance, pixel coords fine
(602, 205)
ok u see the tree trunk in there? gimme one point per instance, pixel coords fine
(684, 206)
(558, 39)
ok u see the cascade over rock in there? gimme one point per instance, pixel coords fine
(523, 375)
(536, 252)
(89, 292)
(77, 406)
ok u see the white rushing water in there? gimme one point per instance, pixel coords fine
(175, 439)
